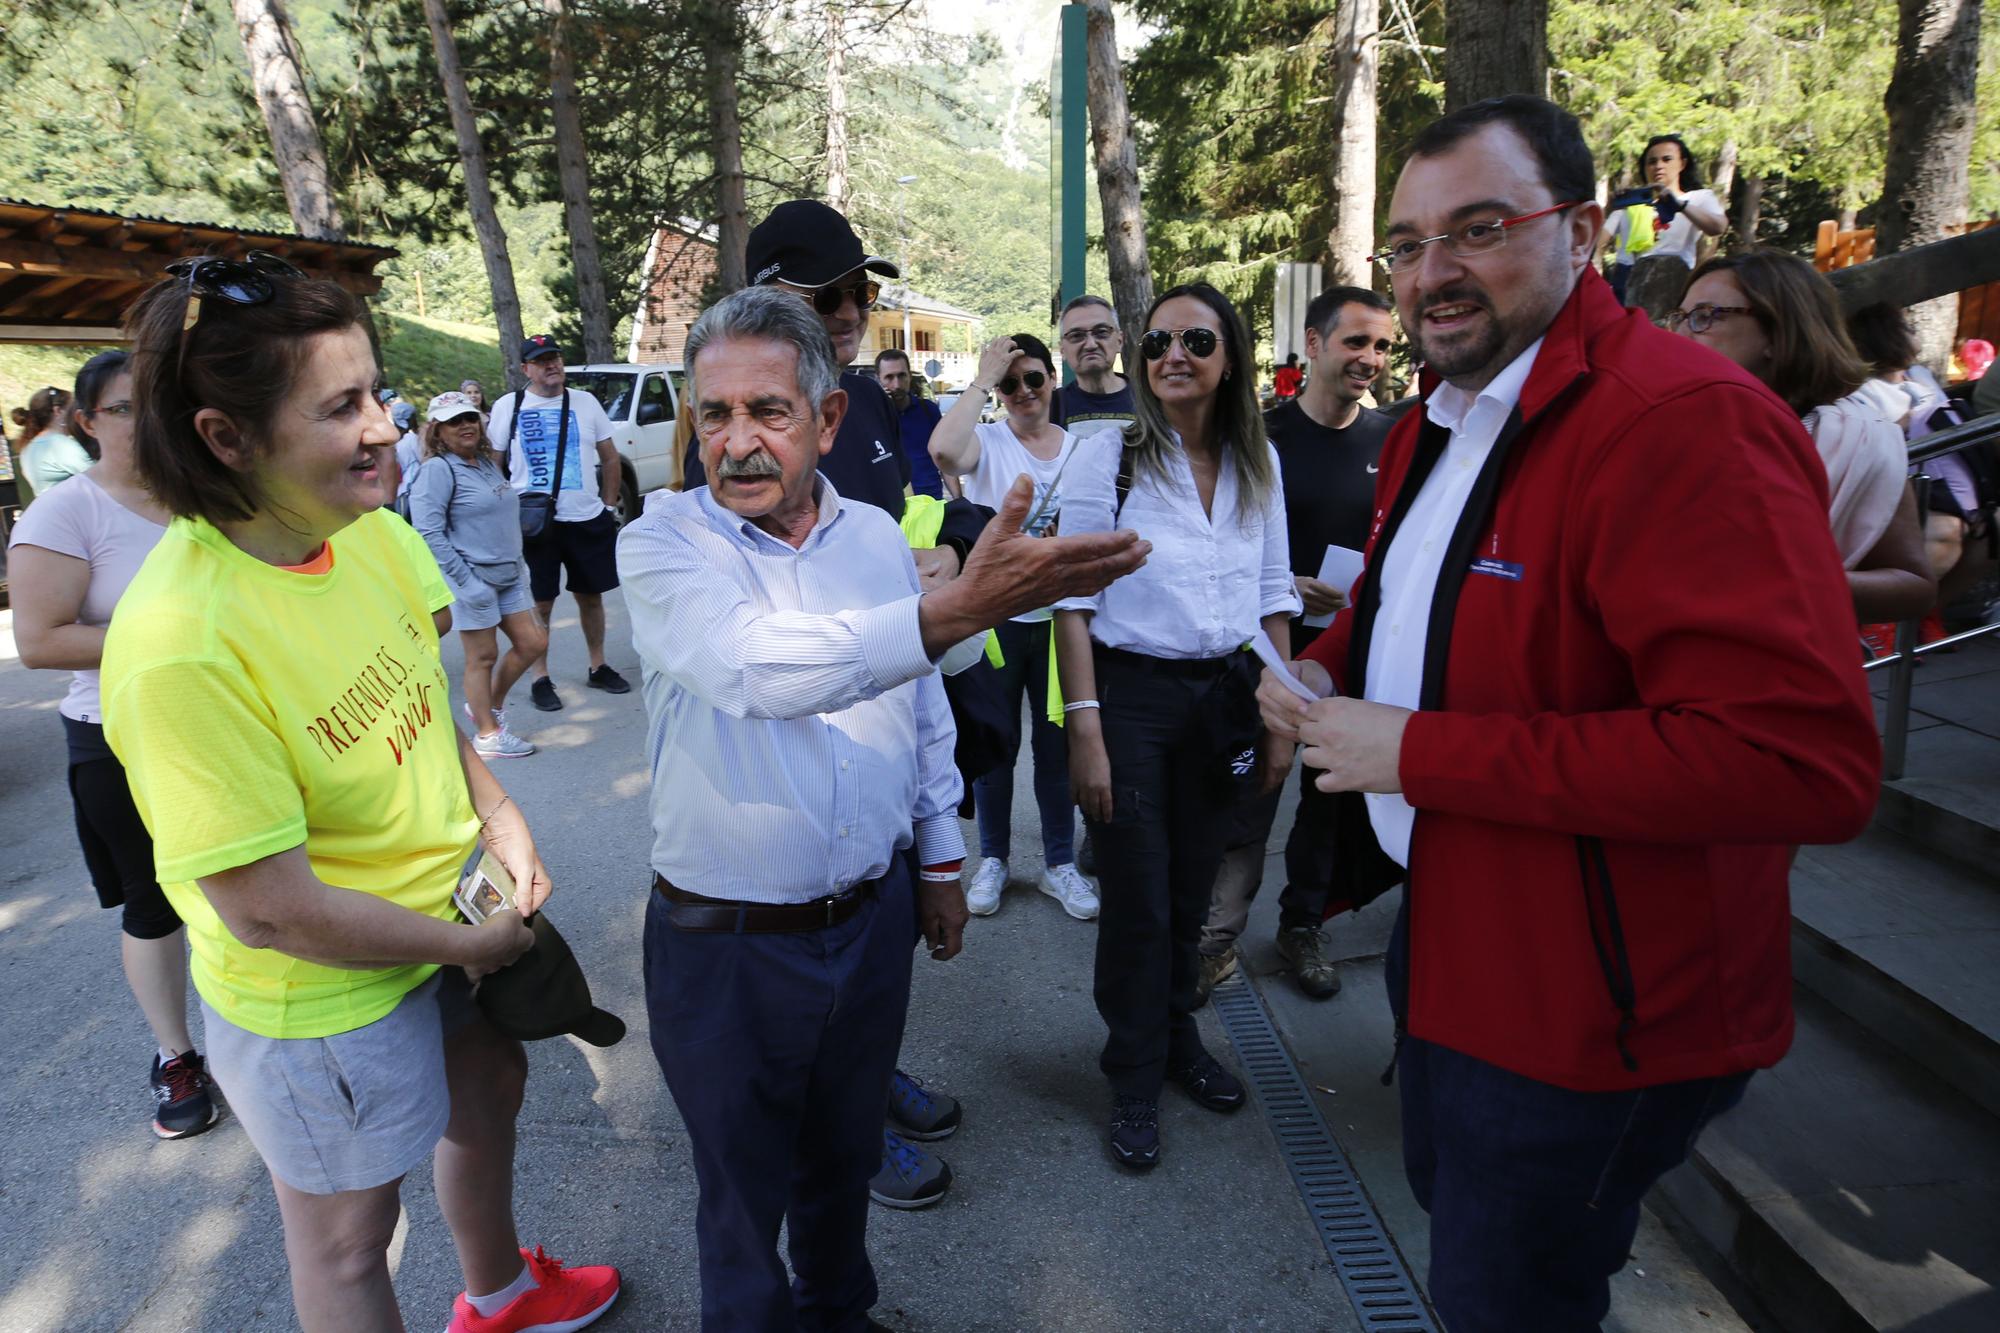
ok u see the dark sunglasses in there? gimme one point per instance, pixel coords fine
(828, 300)
(245, 281)
(1200, 343)
(1034, 379)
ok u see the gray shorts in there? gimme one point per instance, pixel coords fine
(350, 1111)
(479, 604)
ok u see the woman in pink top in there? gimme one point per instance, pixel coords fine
(71, 556)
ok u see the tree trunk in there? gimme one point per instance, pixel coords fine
(479, 191)
(1723, 179)
(1749, 212)
(277, 73)
(1117, 172)
(836, 109)
(1493, 47)
(1926, 176)
(573, 168)
(722, 51)
(1353, 178)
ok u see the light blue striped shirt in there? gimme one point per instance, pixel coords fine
(799, 735)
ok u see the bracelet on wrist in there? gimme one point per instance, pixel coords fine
(1079, 705)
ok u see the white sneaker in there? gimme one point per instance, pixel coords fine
(983, 898)
(499, 715)
(502, 744)
(1066, 884)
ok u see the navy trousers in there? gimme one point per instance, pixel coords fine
(778, 1050)
(1534, 1190)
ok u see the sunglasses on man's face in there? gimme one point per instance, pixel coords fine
(1034, 379)
(828, 300)
(1198, 343)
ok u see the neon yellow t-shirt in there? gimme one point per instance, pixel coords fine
(255, 710)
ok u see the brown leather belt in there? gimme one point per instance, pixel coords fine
(691, 911)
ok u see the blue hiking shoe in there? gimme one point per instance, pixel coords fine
(909, 1177)
(918, 1113)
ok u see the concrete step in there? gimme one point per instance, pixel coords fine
(1905, 942)
(1853, 1190)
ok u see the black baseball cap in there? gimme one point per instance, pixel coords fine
(807, 244)
(543, 994)
(540, 345)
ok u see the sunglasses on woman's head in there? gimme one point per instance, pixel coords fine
(1034, 379)
(828, 300)
(245, 281)
(1200, 343)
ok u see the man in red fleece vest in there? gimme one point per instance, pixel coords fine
(1598, 679)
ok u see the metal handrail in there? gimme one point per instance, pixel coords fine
(1902, 663)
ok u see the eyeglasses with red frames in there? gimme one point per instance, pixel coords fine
(1465, 240)
(1703, 317)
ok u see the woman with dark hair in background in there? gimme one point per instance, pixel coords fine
(273, 685)
(986, 458)
(1773, 315)
(1161, 703)
(45, 455)
(72, 557)
(1661, 246)
(1958, 534)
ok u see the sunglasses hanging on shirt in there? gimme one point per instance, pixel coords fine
(1199, 343)
(1034, 379)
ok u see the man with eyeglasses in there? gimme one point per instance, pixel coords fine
(1090, 342)
(1598, 679)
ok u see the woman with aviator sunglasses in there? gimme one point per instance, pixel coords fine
(73, 555)
(1773, 315)
(987, 457)
(273, 685)
(1161, 694)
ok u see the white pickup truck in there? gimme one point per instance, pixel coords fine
(642, 402)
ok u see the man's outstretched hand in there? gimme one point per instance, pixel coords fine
(1008, 573)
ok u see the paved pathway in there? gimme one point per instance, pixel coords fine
(109, 1229)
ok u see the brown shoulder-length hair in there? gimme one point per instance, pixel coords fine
(1813, 361)
(240, 360)
(1239, 420)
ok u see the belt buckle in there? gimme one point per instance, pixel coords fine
(829, 910)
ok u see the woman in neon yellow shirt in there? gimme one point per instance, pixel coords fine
(272, 685)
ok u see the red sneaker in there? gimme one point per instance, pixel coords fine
(564, 1299)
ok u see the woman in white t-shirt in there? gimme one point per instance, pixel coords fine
(72, 555)
(1771, 314)
(1686, 213)
(986, 458)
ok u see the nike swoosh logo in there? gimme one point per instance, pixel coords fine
(1373, 468)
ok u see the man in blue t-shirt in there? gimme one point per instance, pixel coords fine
(1091, 341)
(918, 417)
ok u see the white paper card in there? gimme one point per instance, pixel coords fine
(1267, 653)
(1341, 568)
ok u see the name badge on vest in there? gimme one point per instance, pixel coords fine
(1499, 569)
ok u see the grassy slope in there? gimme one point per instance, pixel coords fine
(419, 356)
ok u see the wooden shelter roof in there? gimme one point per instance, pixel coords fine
(67, 274)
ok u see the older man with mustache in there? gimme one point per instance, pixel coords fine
(800, 741)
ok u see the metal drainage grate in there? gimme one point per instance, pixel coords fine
(1378, 1285)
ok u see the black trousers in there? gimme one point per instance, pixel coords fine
(1172, 798)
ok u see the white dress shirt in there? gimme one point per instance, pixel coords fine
(1415, 558)
(1209, 580)
(799, 735)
